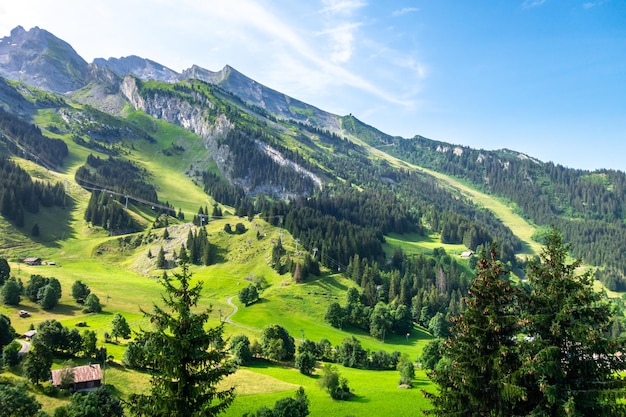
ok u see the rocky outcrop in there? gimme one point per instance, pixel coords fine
(183, 113)
(143, 68)
(179, 111)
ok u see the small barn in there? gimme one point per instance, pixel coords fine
(32, 261)
(467, 254)
(86, 378)
(29, 334)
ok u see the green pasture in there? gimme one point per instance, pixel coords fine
(503, 211)
(376, 392)
(413, 244)
(117, 269)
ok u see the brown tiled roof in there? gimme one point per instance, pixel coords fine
(81, 374)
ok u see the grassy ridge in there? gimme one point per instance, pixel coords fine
(124, 279)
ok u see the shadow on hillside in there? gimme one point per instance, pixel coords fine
(328, 283)
(219, 255)
(67, 310)
(260, 363)
(359, 399)
(422, 383)
(526, 249)
(53, 224)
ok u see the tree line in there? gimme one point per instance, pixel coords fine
(540, 347)
(20, 194)
(586, 206)
(31, 143)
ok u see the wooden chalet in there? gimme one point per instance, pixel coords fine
(32, 261)
(86, 378)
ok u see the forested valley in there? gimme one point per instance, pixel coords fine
(332, 227)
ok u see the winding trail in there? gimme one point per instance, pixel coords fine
(228, 320)
(25, 347)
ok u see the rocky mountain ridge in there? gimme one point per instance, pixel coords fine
(38, 58)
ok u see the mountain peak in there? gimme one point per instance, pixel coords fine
(39, 58)
(143, 68)
(19, 31)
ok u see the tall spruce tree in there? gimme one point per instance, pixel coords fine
(190, 359)
(570, 367)
(476, 374)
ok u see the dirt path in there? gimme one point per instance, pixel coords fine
(228, 319)
(25, 347)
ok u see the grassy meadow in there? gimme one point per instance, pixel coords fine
(122, 275)
(110, 271)
(120, 272)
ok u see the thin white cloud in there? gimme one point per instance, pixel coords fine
(248, 34)
(527, 4)
(404, 10)
(290, 43)
(410, 63)
(591, 4)
(342, 41)
(341, 7)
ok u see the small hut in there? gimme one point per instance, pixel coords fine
(86, 378)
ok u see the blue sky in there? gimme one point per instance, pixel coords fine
(544, 77)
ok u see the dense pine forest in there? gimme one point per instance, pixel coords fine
(19, 193)
(586, 206)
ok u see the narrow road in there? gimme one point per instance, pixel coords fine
(228, 320)
(25, 347)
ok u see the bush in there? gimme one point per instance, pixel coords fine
(240, 349)
(332, 382)
(407, 373)
(92, 304)
(10, 354)
(305, 362)
(277, 344)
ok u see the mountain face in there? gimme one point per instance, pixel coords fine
(268, 99)
(38, 58)
(144, 69)
(251, 140)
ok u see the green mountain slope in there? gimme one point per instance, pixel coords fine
(308, 205)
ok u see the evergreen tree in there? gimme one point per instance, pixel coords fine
(92, 304)
(11, 293)
(80, 291)
(15, 402)
(297, 273)
(7, 332)
(160, 262)
(5, 270)
(120, 327)
(475, 377)
(190, 359)
(570, 367)
(34, 232)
